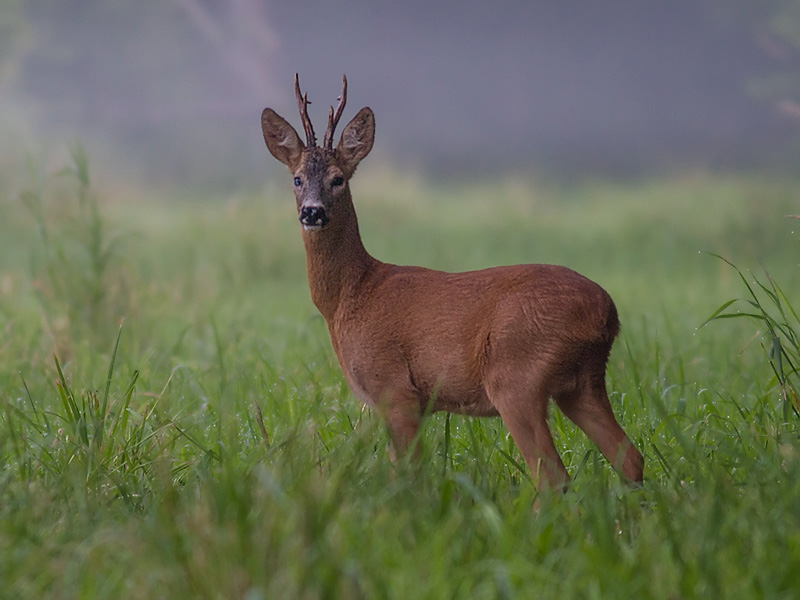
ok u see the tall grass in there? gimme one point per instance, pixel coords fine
(79, 276)
(208, 446)
(768, 305)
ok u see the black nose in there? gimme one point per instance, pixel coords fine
(313, 216)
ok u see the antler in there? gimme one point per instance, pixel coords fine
(302, 103)
(333, 118)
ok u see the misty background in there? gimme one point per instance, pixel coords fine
(171, 91)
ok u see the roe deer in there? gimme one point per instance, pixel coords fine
(499, 341)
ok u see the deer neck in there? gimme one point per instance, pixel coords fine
(336, 260)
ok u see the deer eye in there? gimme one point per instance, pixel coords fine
(298, 182)
(337, 181)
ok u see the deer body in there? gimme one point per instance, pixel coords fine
(499, 341)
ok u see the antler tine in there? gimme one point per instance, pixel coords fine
(302, 103)
(333, 118)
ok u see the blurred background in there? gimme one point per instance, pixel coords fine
(171, 91)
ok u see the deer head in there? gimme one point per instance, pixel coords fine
(321, 174)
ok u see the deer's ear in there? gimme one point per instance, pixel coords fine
(281, 138)
(357, 139)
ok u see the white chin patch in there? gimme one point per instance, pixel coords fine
(312, 227)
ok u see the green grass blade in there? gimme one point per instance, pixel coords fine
(112, 362)
(121, 420)
(71, 410)
(716, 314)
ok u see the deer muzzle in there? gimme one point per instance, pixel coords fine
(313, 217)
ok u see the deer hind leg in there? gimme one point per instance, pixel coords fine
(525, 414)
(590, 409)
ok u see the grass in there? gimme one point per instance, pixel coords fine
(769, 306)
(173, 423)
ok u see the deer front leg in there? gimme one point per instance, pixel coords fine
(403, 416)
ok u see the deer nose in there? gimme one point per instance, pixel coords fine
(313, 217)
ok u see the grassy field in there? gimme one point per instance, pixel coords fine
(173, 423)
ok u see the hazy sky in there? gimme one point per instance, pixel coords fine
(456, 86)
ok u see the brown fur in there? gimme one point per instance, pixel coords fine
(499, 341)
